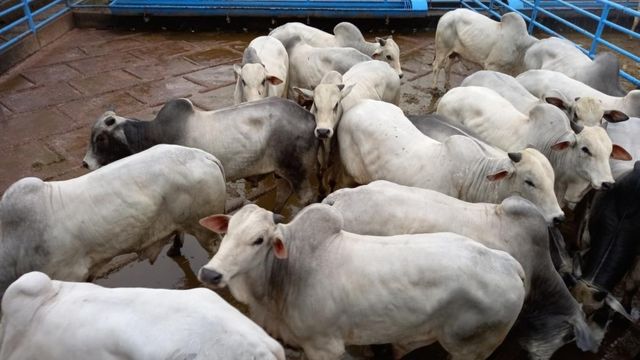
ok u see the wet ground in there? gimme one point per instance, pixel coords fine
(49, 102)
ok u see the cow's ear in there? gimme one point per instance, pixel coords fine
(502, 174)
(237, 69)
(279, 249)
(565, 142)
(304, 96)
(216, 223)
(347, 89)
(274, 80)
(561, 145)
(615, 116)
(619, 153)
(376, 54)
(557, 102)
(381, 41)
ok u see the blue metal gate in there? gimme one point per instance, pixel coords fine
(600, 12)
(20, 18)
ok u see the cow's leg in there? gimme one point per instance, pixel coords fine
(325, 349)
(284, 189)
(436, 66)
(447, 70)
(174, 249)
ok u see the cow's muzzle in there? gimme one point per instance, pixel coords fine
(323, 133)
(210, 276)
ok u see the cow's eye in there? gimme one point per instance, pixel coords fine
(243, 83)
(264, 82)
(335, 107)
(530, 183)
(586, 150)
(258, 241)
(389, 57)
(101, 138)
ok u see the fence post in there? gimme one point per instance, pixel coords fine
(27, 14)
(598, 34)
(534, 14)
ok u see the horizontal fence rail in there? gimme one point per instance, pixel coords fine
(539, 7)
(20, 20)
(327, 8)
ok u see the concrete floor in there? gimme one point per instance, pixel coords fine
(49, 102)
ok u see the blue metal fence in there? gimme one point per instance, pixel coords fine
(27, 21)
(537, 7)
(274, 8)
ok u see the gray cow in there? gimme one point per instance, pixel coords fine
(319, 287)
(272, 135)
(550, 317)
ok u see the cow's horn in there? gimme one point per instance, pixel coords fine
(515, 156)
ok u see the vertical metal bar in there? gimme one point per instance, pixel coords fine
(598, 34)
(27, 14)
(534, 14)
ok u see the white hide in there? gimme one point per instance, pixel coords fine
(70, 229)
(546, 128)
(585, 111)
(321, 288)
(56, 320)
(377, 142)
(539, 81)
(267, 77)
(625, 134)
(308, 64)
(335, 94)
(474, 37)
(346, 35)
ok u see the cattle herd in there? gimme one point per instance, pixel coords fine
(430, 228)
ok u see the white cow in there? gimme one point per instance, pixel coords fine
(264, 69)
(56, 320)
(321, 288)
(377, 142)
(539, 81)
(337, 93)
(346, 35)
(70, 229)
(474, 37)
(308, 64)
(550, 317)
(584, 111)
(580, 159)
(625, 134)
(563, 56)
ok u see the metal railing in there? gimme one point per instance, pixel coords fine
(28, 21)
(493, 7)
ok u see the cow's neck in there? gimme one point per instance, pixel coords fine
(477, 188)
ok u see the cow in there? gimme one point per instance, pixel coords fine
(337, 93)
(579, 155)
(563, 56)
(308, 64)
(70, 229)
(377, 142)
(539, 81)
(272, 135)
(583, 111)
(263, 72)
(346, 35)
(474, 37)
(59, 320)
(550, 317)
(318, 287)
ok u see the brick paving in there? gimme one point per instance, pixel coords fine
(49, 102)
